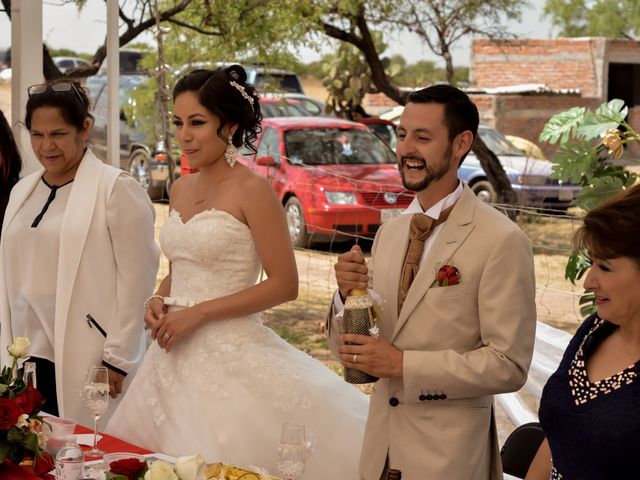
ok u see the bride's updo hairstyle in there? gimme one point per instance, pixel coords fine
(225, 93)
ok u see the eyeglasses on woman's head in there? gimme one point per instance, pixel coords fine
(63, 86)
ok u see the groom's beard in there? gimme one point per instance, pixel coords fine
(432, 173)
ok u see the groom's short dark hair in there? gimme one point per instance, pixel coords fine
(460, 113)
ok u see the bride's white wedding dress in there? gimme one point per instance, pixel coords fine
(224, 390)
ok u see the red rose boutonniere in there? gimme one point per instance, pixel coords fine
(447, 275)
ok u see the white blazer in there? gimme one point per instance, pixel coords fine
(107, 266)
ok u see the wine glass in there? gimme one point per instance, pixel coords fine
(294, 450)
(96, 399)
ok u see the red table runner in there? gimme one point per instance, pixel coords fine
(108, 444)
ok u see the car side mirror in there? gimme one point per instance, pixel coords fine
(266, 161)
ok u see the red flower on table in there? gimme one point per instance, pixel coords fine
(448, 275)
(9, 413)
(44, 464)
(132, 468)
(29, 400)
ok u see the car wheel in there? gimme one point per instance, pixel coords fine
(296, 223)
(139, 170)
(484, 191)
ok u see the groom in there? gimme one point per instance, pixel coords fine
(457, 286)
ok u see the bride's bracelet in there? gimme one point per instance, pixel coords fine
(148, 300)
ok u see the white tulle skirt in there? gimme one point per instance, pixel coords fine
(224, 392)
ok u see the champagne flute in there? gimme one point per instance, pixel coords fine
(293, 451)
(96, 399)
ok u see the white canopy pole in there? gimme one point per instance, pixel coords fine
(113, 84)
(26, 70)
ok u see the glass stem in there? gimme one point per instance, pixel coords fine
(95, 432)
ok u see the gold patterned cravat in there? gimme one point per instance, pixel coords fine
(421, 227)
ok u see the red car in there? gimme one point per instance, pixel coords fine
(335, 178)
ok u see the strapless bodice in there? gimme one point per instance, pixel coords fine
(212, 255)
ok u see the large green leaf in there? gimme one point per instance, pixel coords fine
(577, 264)
(614, 109)
(587, 304)
(573, 160)
(562, 125)
(31, 442)
(608, 116)
(4, 450)
(599, 190)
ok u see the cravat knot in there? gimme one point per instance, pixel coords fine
(420, 229)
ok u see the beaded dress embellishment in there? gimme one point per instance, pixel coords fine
(582, 389)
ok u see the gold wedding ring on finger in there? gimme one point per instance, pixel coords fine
(166, 336)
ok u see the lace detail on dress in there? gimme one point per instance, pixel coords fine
(223, 358)
(582, 389)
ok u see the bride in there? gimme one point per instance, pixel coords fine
(215, 381)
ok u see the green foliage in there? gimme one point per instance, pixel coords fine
(67, 52)
(587, 304)
(577, 265)
(589, 140)
(562, 125)
(347, 77)
(584, 18)
(600, 189)
(608, 116)
(574, 161)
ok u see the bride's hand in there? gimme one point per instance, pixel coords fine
(173, 326)
(155, 311)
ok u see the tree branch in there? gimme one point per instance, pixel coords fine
(194, 28)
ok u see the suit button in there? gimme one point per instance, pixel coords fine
(429, 397)
(422, 398)
(443, 396)
(394, 402)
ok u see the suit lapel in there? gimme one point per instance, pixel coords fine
(454, 232)
(395, 261)
(73, 236)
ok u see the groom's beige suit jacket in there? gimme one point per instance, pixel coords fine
(461, 343)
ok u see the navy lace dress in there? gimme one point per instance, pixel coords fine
(593, 429)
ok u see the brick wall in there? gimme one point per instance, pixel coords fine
(559, 63)
(525, 115)
(634, 120)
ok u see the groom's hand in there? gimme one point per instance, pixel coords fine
(351, 271)
(372, 355)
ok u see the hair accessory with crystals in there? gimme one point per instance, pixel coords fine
(231, 152)
(242, 90)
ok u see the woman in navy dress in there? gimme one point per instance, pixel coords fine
(590, 407)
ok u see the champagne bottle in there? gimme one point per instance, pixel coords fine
(394, 474)
(358, 318)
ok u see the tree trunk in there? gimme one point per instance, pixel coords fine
(495, 174)
(448, 59)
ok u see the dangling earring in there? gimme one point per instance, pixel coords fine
(230, 153)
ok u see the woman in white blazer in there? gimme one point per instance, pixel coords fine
(77, 259)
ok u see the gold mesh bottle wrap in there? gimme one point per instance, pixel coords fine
(358, 318)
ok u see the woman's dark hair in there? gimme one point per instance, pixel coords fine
(9, 155)
(231, 104)
(612, 230)
(66, 95)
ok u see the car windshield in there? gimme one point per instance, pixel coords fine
(282, 108)
(335, 146)
(498, 143)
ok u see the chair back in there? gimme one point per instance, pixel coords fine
(520, 448)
